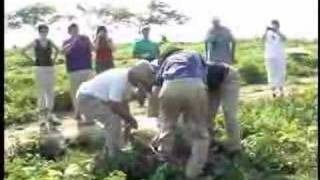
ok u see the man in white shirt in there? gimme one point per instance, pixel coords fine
(105, 98)
(275, 59)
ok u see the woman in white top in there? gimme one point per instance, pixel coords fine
(275, 59)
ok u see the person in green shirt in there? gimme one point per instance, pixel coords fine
(145, 48)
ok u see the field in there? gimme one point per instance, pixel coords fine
(279, 136)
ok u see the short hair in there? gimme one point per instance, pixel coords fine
(145, 28)
(275, 21)
(216, 18)
(73, 25)
(101, 28)
(42, 26)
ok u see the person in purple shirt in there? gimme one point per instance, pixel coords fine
(77, 50)
(183, 92)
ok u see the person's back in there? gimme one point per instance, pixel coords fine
(218, 45)
(182, 65)
(107, 83)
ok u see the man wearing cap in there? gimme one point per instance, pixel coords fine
(219, 44)
(182, 91)
(105, 98)
(145, 48)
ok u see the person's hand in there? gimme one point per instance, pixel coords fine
(133, 123)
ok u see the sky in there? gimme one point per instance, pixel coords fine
(245, 18)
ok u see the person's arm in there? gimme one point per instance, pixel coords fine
(92, 48)
(233, 48)
(282, 36)
(56, 51)
(66, 47)
(27, 48)
(206, 50)
(134, 51)
(122, 109)
(111, 45)
(264, 36)
(157, 55)
(206, 41)
(96, 43)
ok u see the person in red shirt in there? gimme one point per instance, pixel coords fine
(104, 49)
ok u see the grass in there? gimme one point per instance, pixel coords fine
(279, 140)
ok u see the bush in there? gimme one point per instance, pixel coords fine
(252, 74)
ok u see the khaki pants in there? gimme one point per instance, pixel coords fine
(187, 97)
(227, 95)
(92, 109)
(45, 81)
(76, 78)
(153, 102)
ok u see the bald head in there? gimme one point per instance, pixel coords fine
(142, 73)
(216, 22)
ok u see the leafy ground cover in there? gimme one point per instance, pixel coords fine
(279, 142)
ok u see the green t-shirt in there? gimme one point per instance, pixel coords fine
(146, 49)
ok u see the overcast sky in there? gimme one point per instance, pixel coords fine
(245, 18)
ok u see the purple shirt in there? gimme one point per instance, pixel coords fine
(182, 65)
(79, 55)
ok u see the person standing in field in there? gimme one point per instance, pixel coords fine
(148, 50)
(145, 48)
(275, 60)
(220, 44)
(77, 50)
(46, 53)
(104, 50)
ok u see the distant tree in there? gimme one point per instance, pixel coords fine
(105, 14)
(160, 13)
(32, 15)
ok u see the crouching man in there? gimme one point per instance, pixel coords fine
(181, 75)
(105, 98)
(223, 88)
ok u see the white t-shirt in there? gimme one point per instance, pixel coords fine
(274, 47)
(111, 85)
